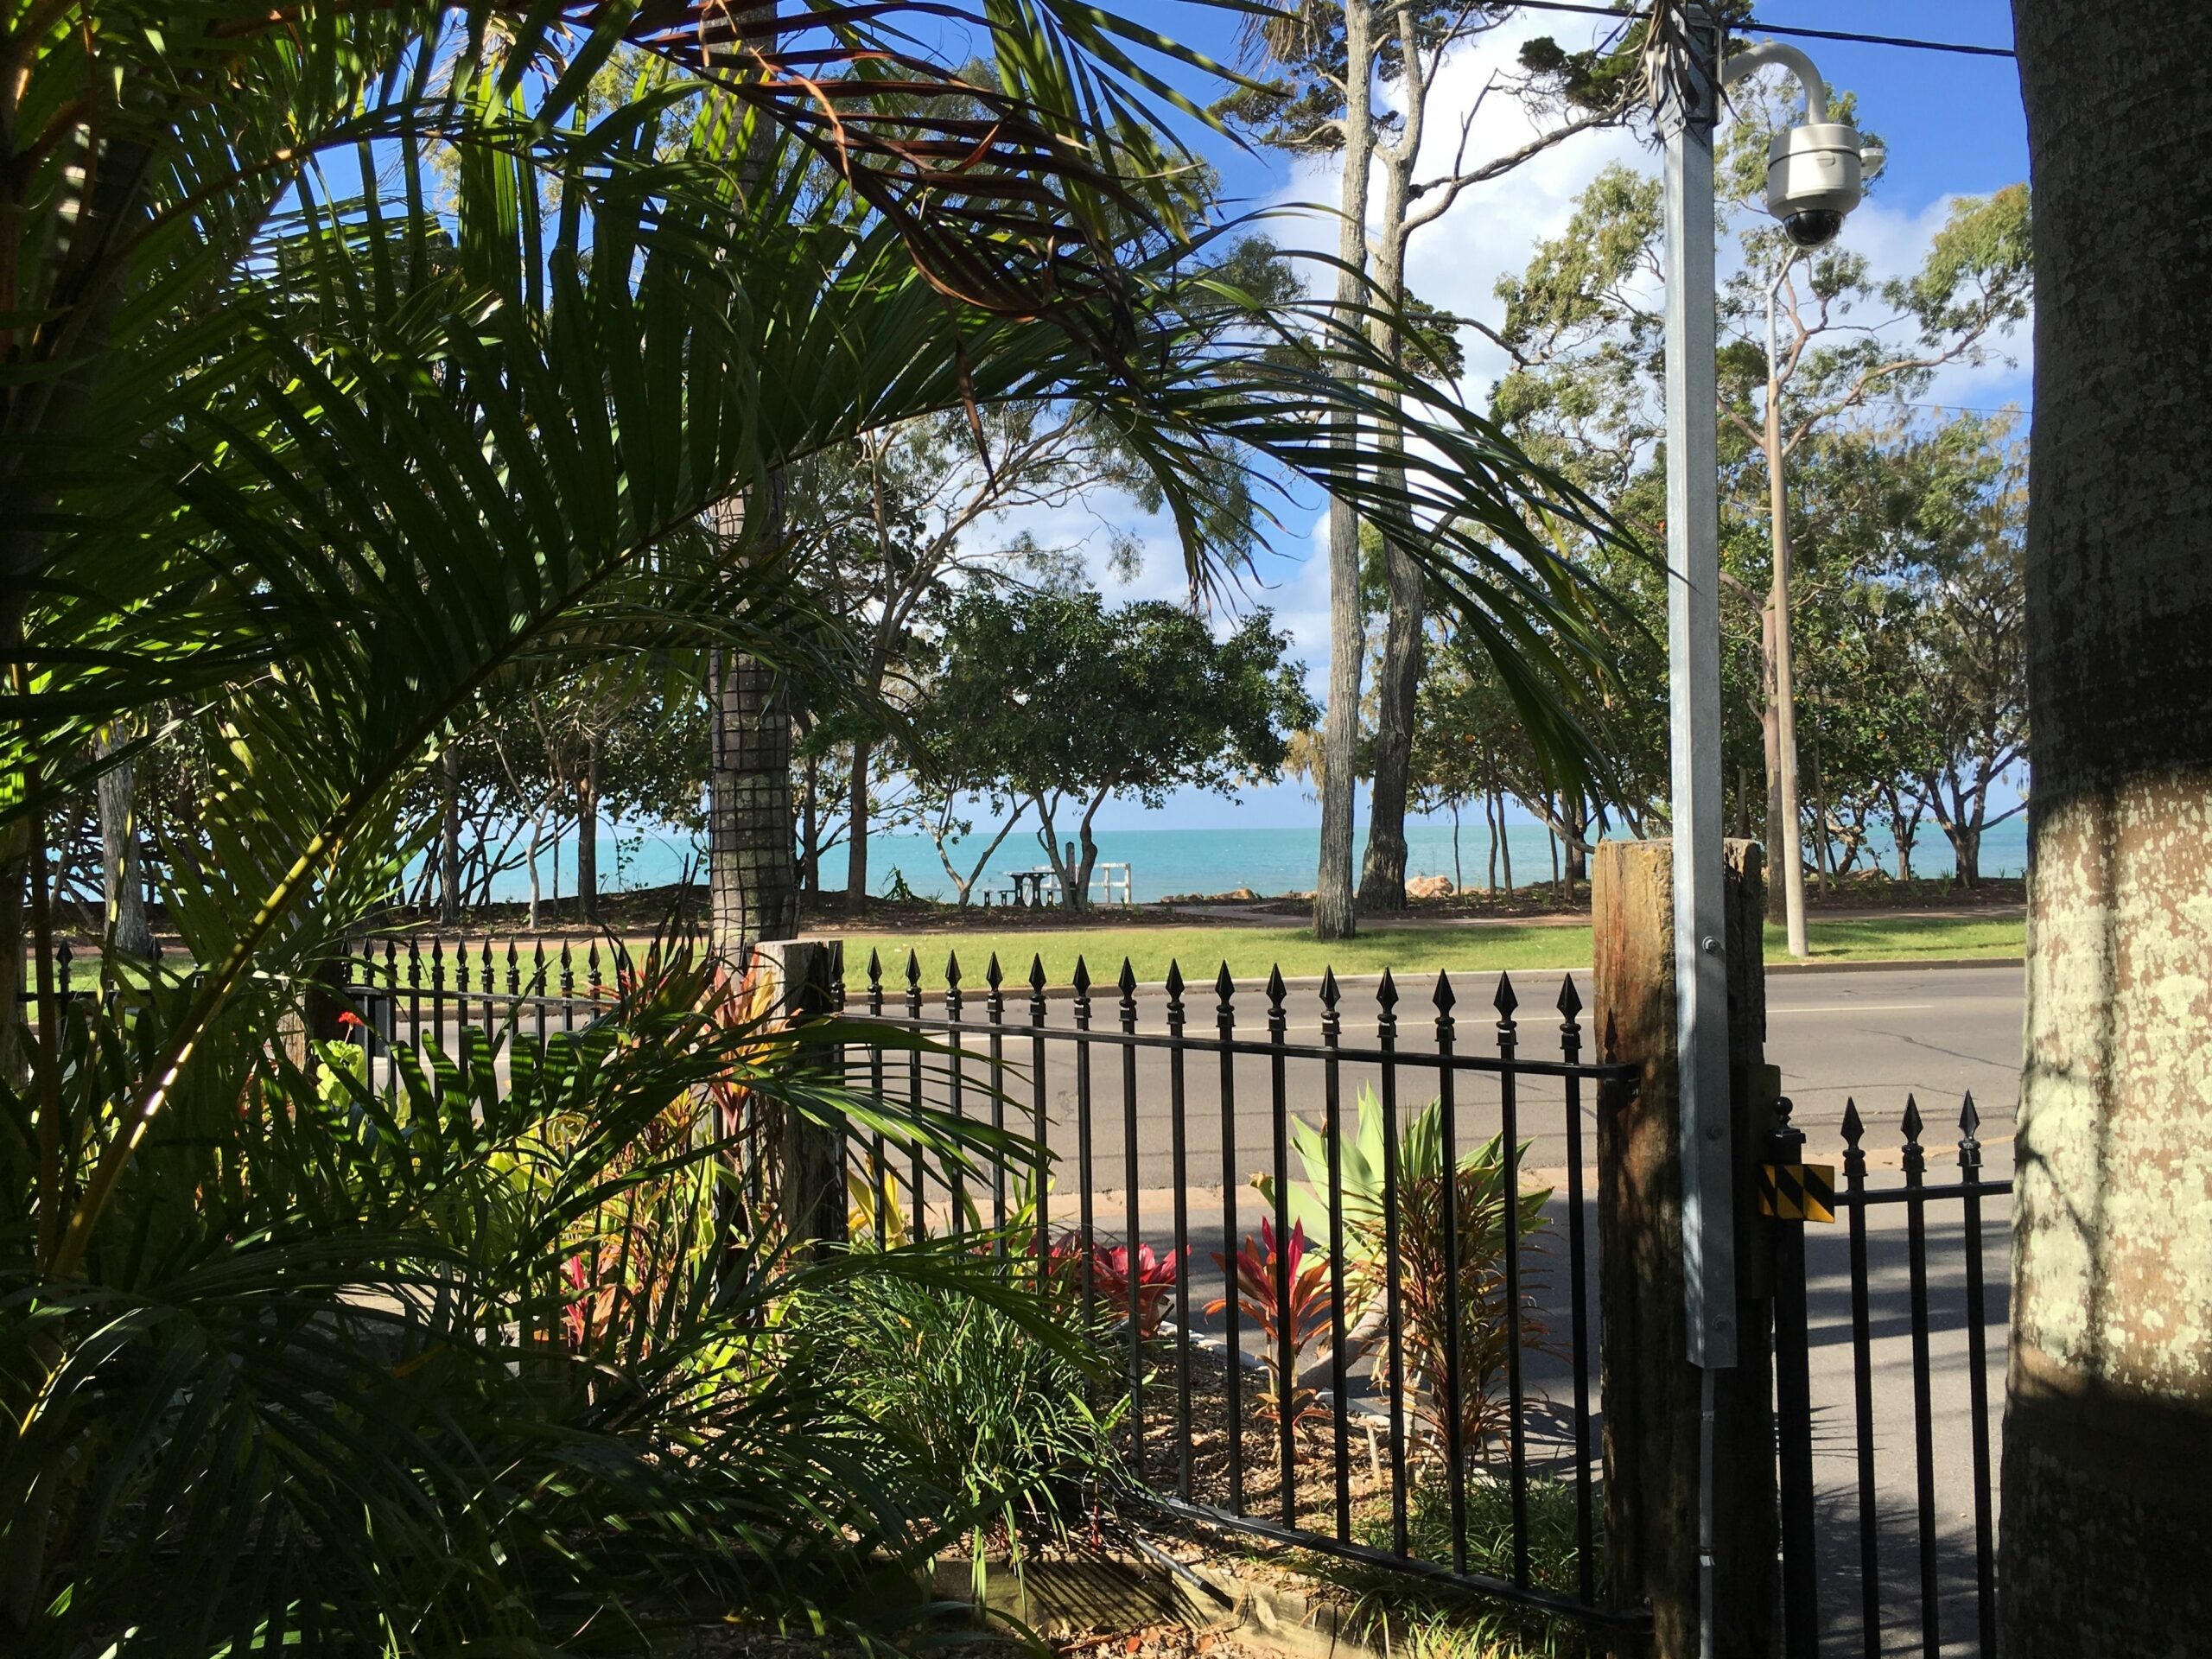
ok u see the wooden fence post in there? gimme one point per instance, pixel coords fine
(803, 975)
(1650, 1391)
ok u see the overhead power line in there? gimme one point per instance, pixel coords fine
(1965, 48)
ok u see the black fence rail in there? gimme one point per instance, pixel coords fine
(1865, 1570)
(406, 994)
(1248, 1183)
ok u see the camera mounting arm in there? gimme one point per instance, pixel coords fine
(1808, 77)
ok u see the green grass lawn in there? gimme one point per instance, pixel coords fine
(1251, 951)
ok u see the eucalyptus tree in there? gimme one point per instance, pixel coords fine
(1352, 79)
(1582, 324)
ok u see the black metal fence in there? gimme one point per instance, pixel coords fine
(1251, 1187)
(1903, 1272)
(1476, 1410)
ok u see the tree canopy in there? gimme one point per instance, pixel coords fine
(1058, 701)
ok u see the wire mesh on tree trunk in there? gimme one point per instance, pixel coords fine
(753, 868)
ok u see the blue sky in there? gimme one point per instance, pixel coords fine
(1953, 126)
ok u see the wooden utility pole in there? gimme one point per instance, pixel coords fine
(1650, 1388)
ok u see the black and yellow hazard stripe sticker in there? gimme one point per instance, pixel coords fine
(1797, 1192)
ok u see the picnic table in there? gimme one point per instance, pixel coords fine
(1029, 884)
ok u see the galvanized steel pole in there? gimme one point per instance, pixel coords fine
(1688, 113)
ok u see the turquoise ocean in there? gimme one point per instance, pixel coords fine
(1163, 861)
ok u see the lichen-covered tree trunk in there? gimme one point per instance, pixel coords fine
(2107, 1479)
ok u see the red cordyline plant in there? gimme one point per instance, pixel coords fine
(1109, 1277)
(1154, 1280)
(1259, 1277)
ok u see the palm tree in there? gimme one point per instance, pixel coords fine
(2107, 1528)
(334, 472)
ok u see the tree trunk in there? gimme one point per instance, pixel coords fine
(1383, 879)
(450, 837)
(857, 848)
(1778, 899)
(1789, 860)
(810, 827)
(753, 873)
(537, 890)
(1903, 829)
(1074, 870)
(588, 837)
(1087, 860)
(1965, 847)
(122, 875)
(1505, 842)
(1819, 803)
(1383, 873)
(1489, 822)
(1334, 915)
(2107, 1538)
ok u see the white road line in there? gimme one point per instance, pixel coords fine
(1857, 1008)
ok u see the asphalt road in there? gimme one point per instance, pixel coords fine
(1877, 1037)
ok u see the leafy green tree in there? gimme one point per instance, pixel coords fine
(889, 527)
(1054, 699)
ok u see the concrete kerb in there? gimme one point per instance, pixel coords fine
(1196, 992)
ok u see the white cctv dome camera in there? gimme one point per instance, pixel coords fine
(1815, 171)
(1815, 175)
